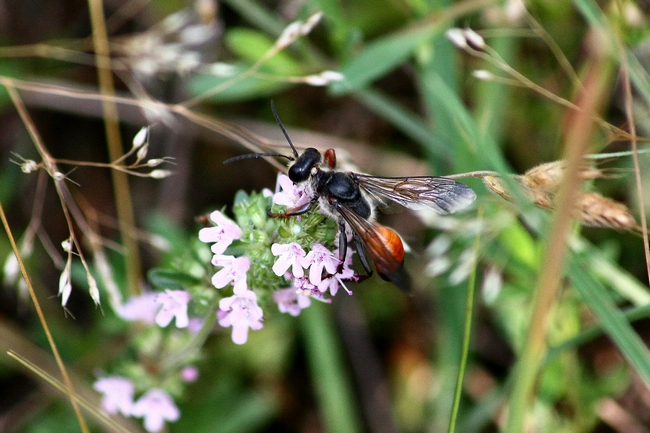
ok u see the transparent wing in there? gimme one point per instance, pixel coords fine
(441, 194)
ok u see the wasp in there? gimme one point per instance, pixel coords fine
(351, 199)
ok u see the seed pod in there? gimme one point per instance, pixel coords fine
(597, 211)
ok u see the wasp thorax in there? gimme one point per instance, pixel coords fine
(301, 170)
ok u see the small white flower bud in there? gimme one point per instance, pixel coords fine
(221, 69)
(475, 40)
(160, 174)
(58, 176)
(65, 287)
(483, 75)
(28, 166)
(66, 245)
(324, 78)
(93, 290)
(155, 162)
(142, 152)
(289, 34)
(11, 270)
(333, 75)
(188, 62)
(457, 37)
(160, 243)
(197, 34)
(310, 23)
(438, 266)
(141, 137)
(315, 80)
(439, 246)
(492, 284)
(464, 267)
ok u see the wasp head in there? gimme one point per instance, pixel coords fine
(301, 170)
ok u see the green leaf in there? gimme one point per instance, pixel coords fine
(246, 89)
(331, 380)
(252, 45)
(382, 56)
(171, 279)
(611, 318)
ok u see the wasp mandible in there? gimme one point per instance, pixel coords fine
(351, 199)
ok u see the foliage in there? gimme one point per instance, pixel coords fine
(556, 252)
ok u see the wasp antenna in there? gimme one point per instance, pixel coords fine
(284, 131)
(256, 155)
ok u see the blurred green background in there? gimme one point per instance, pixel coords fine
(378, 361)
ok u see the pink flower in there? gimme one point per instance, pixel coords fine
(174, 303)
(195, 325)
(316, 260)
(332, 282)
(143, 308)
(241, 312)
(117, 394)
(223, 233)
(189, 373)
(290, 301)
(291, 195)
(290, 256)
(233, 271)
(155, 406)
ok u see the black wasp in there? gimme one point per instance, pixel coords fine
(350, 198)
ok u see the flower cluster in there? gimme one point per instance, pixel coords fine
(259, 260)
(155, 406)
(155, 403)
(290, 259)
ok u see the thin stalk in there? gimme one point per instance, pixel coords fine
(469, 307)
(627, 89)
(123, 203)
(578, 139)
(69, 389)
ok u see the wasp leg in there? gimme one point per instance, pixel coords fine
(343, 243)
(300, 210)
(362, 257)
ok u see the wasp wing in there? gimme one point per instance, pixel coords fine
(374, 241)
(441, 194)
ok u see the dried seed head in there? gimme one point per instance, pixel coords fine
(495, 184)
(597, 211)
(549, 176)
(540, 197)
